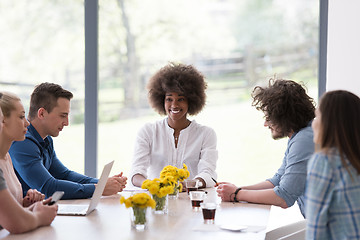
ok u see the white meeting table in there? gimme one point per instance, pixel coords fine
(111, 220)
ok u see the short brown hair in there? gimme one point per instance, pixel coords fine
(45, 95)
(179, 78)
(285, 103)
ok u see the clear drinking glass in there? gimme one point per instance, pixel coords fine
(208, 210)
(191, 185)
(197, 197)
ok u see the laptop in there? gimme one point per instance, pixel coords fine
(83, 210)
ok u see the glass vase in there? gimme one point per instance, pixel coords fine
(161, 204)
(175, 194)
(138, 218)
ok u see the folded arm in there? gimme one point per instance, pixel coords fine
(259, 193)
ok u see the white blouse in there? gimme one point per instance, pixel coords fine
(155, 149)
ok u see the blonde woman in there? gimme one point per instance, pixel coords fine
(15, 218)
(14, 129)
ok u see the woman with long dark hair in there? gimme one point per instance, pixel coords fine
(333, 180)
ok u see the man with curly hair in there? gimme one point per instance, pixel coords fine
(176, 90)
(288, 112)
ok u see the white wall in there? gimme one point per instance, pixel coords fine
(343, 54)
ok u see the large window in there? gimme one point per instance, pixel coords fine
(43, 41)
(236, 44)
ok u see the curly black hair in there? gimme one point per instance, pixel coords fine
(179, 78)
(285, 103)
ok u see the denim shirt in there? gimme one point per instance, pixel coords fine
(290, 179)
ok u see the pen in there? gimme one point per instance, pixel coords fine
(216, 184)
(202, 191)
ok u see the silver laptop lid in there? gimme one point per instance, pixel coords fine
(100, 187)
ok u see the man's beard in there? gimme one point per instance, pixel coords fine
(277, 135)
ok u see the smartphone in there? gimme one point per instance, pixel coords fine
(56, 197)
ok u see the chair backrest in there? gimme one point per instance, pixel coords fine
(299, 235)
(286, 230)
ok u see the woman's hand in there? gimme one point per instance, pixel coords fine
(32, 196)
(45, 213)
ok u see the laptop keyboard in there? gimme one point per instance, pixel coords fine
(73, 208)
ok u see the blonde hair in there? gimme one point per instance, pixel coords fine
(7, 100)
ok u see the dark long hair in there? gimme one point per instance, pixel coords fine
(340, 125)
(285, 103)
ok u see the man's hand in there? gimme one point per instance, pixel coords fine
(32, 196)
(114, 184)
(122, 180)
(225, 191)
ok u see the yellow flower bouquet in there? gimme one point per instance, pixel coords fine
(177, 175)
(139, 203)
(160, 188)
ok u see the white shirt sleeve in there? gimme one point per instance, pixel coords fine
(142, 150)
(208, 158)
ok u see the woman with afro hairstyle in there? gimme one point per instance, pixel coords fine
(176, 90)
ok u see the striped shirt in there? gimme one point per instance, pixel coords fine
(332, 199)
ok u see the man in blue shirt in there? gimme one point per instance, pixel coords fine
(289, 112)
(35, 160)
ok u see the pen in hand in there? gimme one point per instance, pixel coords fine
(216, 183)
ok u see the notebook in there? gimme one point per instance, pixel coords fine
(83, 210)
